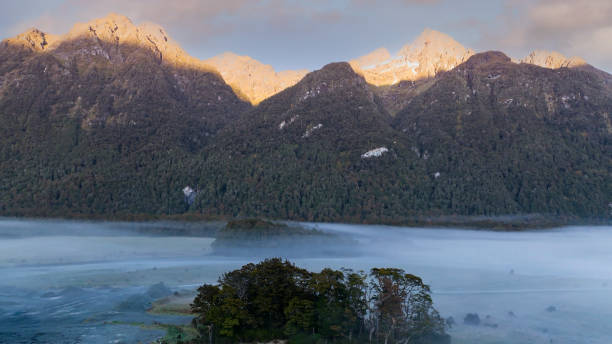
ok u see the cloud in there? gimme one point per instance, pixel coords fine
(574, 28)
(393, 2)
(554, 16)
(201, 16)
(189, 19)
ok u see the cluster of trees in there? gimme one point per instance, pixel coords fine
(274, 299)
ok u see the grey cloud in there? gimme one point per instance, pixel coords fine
(190, 14)
(393, 2)
(563, 16)
(200, 16)
(574, 28)
(193, 21)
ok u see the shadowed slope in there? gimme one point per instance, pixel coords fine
(298, 154)
(114, 118)
(489, 137)
(93, 124)
(516, 137)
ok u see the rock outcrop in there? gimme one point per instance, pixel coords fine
(251, 79)
(431, 53)
(552, 60)
(107, 38)
(32, 39)
(104, 38)
(434, 52)
(372, 59)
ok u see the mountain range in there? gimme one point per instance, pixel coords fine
(115, 119)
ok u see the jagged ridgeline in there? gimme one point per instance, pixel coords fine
(107, 119)
(115, 119)
(488, 137)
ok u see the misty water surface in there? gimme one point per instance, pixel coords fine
(65, 281)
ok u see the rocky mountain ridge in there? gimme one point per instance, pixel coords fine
(102, 37)
(488, 137)
(93, 118)
(552, 60)
(431, 53)
(114, 120)
(253, 79)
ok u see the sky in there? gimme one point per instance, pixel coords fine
(291, 34)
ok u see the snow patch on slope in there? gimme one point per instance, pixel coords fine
(374, 153)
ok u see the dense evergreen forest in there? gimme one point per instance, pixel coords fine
(475, 143)
(122, 136)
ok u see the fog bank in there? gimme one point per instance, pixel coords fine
(544, 286)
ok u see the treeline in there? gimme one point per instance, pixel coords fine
(275, 299)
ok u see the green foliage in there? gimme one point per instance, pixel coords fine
(178, 335)
(85, 136)
(404, 308)
(484, 139)
(253, 224)
(252, 230)
(277, 300)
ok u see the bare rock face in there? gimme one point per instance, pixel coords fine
(552, 60)
(370, 60)
(431, 53)
(108, 38)
(32, 39)
(129, 66)
(116, 39)
(434, 52)
(252, 79)
(113, 39)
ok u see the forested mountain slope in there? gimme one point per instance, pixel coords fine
(515, 138)
(114, 119)
(105, 120)
(489, 137)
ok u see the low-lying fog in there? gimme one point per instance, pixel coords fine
(68, 281)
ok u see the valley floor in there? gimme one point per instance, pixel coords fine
(67, 281)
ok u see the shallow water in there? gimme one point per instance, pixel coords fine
(65, 281)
